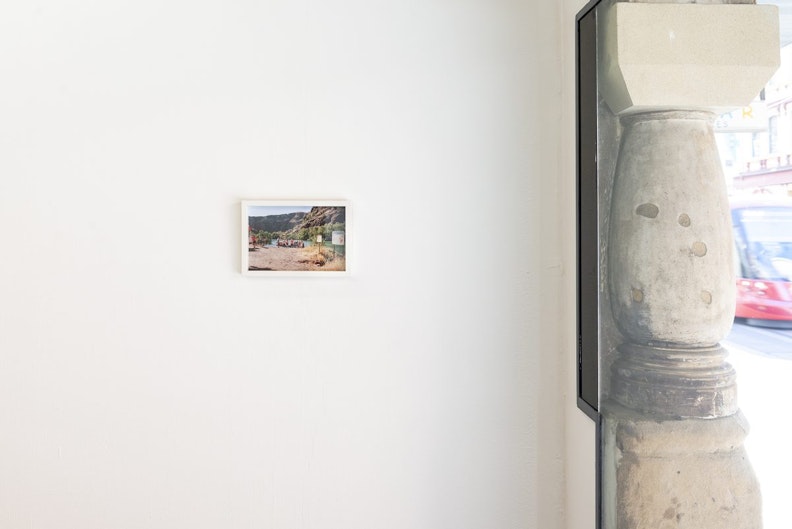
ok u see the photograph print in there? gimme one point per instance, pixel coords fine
(294, 238)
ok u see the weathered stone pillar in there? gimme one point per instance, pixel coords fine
(673, 451)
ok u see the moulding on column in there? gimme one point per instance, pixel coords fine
(692, 56)
(677, 474)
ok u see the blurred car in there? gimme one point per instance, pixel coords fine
(763, 260)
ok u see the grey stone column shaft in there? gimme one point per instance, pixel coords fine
(673, 438)
(671, 279)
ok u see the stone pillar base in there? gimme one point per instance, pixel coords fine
(684, 474)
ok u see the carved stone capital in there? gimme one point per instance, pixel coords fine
(666, 382)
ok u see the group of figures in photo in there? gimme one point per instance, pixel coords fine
(294, 238)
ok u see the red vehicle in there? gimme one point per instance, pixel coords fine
(763, 261)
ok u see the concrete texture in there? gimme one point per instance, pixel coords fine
(685, 474)
(671, 277)
(670, 56)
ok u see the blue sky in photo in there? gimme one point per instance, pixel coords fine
(264, 211)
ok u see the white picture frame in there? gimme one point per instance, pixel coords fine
(295, 238)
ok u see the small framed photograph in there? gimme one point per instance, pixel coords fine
(295, 238)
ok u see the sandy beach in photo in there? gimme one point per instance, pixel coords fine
(295, 259)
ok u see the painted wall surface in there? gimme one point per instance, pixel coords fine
(145, 383)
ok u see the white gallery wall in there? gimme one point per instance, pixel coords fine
(145, 383)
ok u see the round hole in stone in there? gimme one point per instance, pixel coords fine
(648, 210)
(706, 296)
(637, 295)
(684, 220)
(699, 249)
